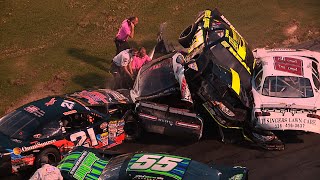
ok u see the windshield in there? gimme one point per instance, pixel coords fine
(18, 124)
(155, 78)
(287, 87)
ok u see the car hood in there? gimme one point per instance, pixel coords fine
(6, 142)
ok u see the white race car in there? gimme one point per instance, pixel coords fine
(286, 90)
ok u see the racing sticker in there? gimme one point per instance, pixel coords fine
(166, 166)
(288, 64)
(93, 97)
(290, 123)
(51, 102)
(34, 110)
(83, 165)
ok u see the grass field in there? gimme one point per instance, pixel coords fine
(53, 47)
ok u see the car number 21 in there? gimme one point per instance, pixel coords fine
(156, 163)
(83, 137)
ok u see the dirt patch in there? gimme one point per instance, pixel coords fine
(52, 87)
(296, 34)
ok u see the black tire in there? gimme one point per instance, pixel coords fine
(186, 36)
(132, 129)
(53, 155)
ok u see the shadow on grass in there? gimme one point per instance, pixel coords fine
(93, 80)
(93, 60)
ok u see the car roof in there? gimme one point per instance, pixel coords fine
(287, 62)
(53, 107)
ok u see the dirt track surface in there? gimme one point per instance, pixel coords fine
(299, 160)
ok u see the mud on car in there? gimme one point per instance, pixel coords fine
(51, 127)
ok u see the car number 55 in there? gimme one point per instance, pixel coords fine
(156, 163)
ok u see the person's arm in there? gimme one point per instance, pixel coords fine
(126, 69)
(130, 68)
(132, 30)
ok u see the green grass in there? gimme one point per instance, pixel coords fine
(62, 46)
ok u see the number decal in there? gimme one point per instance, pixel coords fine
(150, 161)
(75, 136)
(166, 164)
(67, 104)
(161, 164)
(82, 135)
(145, 162)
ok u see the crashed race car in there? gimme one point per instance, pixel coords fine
(286, 90)
(85, 163)
(180, 93)
(51, 127)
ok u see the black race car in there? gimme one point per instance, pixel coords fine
(85, 163)
(51, 127)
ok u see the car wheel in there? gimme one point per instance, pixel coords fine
(186, 36)
(132, 129)
(51, 153)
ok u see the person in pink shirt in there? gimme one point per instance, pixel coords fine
(139, 60)
(125, 32)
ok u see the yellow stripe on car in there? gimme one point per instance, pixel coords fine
(235, 81)
(206, 19)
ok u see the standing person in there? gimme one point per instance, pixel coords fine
(126, 30)
(47, 171)
(121, 69)
(139, 60)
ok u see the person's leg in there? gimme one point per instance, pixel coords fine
(118, 46)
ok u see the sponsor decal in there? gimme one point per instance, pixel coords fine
(16, 151)
(289, 123)
(118, 96)
(187, 125)
(103, 125)
(104, 138)
(51, 102)
(288, 64)
(37, 145)
(145, 177)
(70, 112)
(34, 110)
(93, 97)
